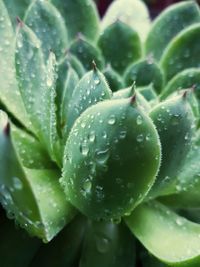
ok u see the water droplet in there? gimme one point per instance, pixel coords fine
(178, 188)
(92, 167)
(17, 183)
(104, 135)
(83, 125)
(175, 120)
(87, 186)
(140, 138)
(148, 137)
(102, 244)
(92, 136)
(19, 43)
(122, 134)
(84, 149)
(102, 156)
(111, 120)
(49, 81)
(186, 136)
(99, 193)
(139, 120)
(179, 221)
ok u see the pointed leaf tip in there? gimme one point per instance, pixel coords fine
(6, 129)
(19, 22)
(187, 92)
(133, 99)
(94, 66)
(79, 36)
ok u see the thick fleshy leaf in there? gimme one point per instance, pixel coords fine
(16, 242)
(183, 52)
(70, 85)
(187, 187)
(31, 152)
(189, 78)
(48, 25)
(48, 115)
(91, 89)
(143, 73)
(86, 52)
(9, 93)
(120, 52)
(175, 124)
(107, 244)
(99, 177)
(132, 12)
(169, 237)
(37, 86)
(171, 21)
(63, 66)
(114, 80)
(33, 197)
(80, 16)
(16, 8)
(64, 249)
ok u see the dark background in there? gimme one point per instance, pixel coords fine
(155, 6)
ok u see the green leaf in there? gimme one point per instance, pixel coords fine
(16, 8)
(107, 244)
(169, 237)
(64, 249)
(99, 177)
(183, 52)
(189, 78)
(9, 93)
(134, 13)
(48, 25)
(175, 124)
(63, 66)
(186, 193)
(114, 80)
(48, 115)
(120, 52)
(70, 85)
(143, 73)
(31, 152)
(91, 89)
(170, 22)
(37, 86)
(80, 16)
(34, 197)
(86, 52)
(16, 242)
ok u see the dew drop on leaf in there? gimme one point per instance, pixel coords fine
(17, 183)
(102, 156)
(111, 120)
(140, 138)
(139, 120)
(102, 244)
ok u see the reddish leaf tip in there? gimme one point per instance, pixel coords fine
(94, 66)
(19, 22)
(6, 129)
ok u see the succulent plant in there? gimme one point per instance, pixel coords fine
(99, 134)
